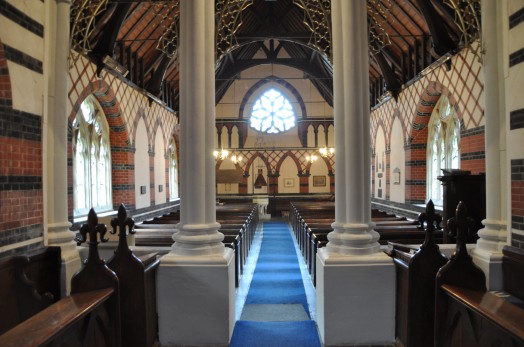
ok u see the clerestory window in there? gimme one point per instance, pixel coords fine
(443, 150)
(91, 159)
(272, 113)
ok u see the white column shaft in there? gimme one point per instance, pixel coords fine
(494, 235)
(58, 233)
(487, 253)
(198, 227)
(353, 232)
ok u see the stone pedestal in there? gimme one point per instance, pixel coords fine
(196, 300)
(355, 299)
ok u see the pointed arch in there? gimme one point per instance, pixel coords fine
(252, 159)
(293, 157)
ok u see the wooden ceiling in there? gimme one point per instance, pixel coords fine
(141, 36)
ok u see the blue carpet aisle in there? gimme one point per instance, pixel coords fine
(276, 310)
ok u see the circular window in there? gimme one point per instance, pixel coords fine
(272, 113)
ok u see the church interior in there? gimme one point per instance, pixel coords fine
(261, 173)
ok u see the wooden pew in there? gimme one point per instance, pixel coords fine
(465, 313)
(89, 317)
(415, 281)
(33, 279)
(137, 280)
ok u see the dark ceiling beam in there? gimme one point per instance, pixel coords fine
(449, 16)
(131, 30)
(442, 42)
(410, 19)
(154, 85)
(107, 43)
(393, 84)
(300, 64)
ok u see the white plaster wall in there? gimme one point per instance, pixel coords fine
(331, 136)
(380, 163)
(310, 136)
(397, 160)
(26, 84)
(318, 168)
(234, 137)
(224, 137)
(142, 166)
(287, 139)
(321, 136)
(288, 171)
(160, 169)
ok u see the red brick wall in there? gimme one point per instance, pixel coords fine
(21, 196)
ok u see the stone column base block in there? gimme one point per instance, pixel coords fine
(196, 299)
(355, 299)
(491, 264)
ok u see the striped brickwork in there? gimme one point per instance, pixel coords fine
(517, 202)
(21, 165)
(463, 85)
(515, 118)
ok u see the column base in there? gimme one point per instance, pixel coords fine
(355, 299)
(196, 299)
(491, 264)
(58, 234)
(488, 252)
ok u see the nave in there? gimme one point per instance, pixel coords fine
(275, 299)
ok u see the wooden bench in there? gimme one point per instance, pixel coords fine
(137, 280)
(465, 313)
(89, 317)
(33, 279)
(415, 281)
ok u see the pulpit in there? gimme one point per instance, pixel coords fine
(460, 185)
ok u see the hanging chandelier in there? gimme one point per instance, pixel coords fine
(326, 151)
(311, 158)
(223, 154)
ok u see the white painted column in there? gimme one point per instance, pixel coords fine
(355, 280)
(488, 252)
(55, 134)
(196, 292)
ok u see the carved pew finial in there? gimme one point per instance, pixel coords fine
(432, 221)
(122, 222)
(92, 228)
(95, 274)
(460, 270)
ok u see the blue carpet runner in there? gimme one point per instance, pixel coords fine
(276, 280)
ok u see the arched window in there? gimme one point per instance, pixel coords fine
(91, 159)
(443, 151)
(272, 113)
(173, 170)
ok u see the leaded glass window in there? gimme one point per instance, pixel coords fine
(272, 113)
(91, 159)
(443, 150)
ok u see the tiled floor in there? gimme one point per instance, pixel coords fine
(249, 269)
